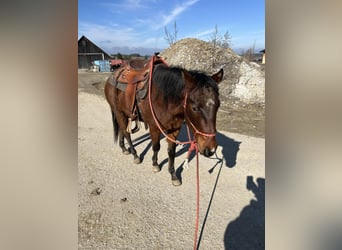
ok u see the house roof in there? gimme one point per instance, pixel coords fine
(83, 38)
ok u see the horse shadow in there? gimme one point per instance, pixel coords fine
(230, 148)
(229, 151)
(180, 150)
(139, 140)
(248, 230)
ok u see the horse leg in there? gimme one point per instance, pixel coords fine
(122, 144)
(171, 150)
(123, 121)
(119, 120)
(132, 149)
(155, 138)
(118, 134)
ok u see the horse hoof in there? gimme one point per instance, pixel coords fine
(176, 182)
(156, 169)
(137, 160)
(126, 152)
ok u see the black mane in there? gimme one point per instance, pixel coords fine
(202, 80)
(170, 82)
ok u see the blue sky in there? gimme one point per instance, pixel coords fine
(141, 23)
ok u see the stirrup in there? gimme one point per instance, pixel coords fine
(136, 127)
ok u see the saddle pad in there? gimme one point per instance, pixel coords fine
(121, 86)
(141, 93)
(111, 80)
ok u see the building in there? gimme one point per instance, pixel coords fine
(263, 56)
(89, 52)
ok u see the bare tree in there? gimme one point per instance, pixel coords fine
(249, 53)
(171, 38)
(218, 42)
(226, 40)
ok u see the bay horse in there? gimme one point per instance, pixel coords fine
(175, 95)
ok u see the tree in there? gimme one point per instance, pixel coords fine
(119, 56)
(171, 38)
(134, 55)
(249, 53)
(226, 41)
(218, 42)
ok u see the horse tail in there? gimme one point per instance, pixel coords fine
(109, 91)
(115, 127)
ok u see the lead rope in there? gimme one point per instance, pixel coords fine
(193, 144)
(197, 199)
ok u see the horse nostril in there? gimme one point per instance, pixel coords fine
(207, 152)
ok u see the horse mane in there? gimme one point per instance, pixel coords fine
(202, 80)
(170, 82)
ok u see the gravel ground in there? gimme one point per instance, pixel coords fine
(126, 206)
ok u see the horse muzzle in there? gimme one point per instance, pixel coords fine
(207, 145)
(209, 152)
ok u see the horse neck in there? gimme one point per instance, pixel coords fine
(169, 113)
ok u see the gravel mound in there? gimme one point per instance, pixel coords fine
(242, 80)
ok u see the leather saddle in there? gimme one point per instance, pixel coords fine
(132, 78)
(133, 71)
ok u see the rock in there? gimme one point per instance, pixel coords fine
(251, 84)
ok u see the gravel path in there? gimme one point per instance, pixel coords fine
(126, 206)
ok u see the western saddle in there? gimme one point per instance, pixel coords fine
(133, 75)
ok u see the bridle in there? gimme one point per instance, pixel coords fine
(196, 131)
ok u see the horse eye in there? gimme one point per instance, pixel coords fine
(195, 108)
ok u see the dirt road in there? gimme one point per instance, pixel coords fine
(126, 206)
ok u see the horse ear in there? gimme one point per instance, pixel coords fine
(188, 79)
(218, 76)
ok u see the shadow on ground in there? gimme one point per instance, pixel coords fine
(228, 146)
(248, 230)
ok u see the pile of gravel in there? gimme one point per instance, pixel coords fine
(242, 80)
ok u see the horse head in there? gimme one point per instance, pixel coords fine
(201, 105)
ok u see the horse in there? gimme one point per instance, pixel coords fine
(175, 96)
